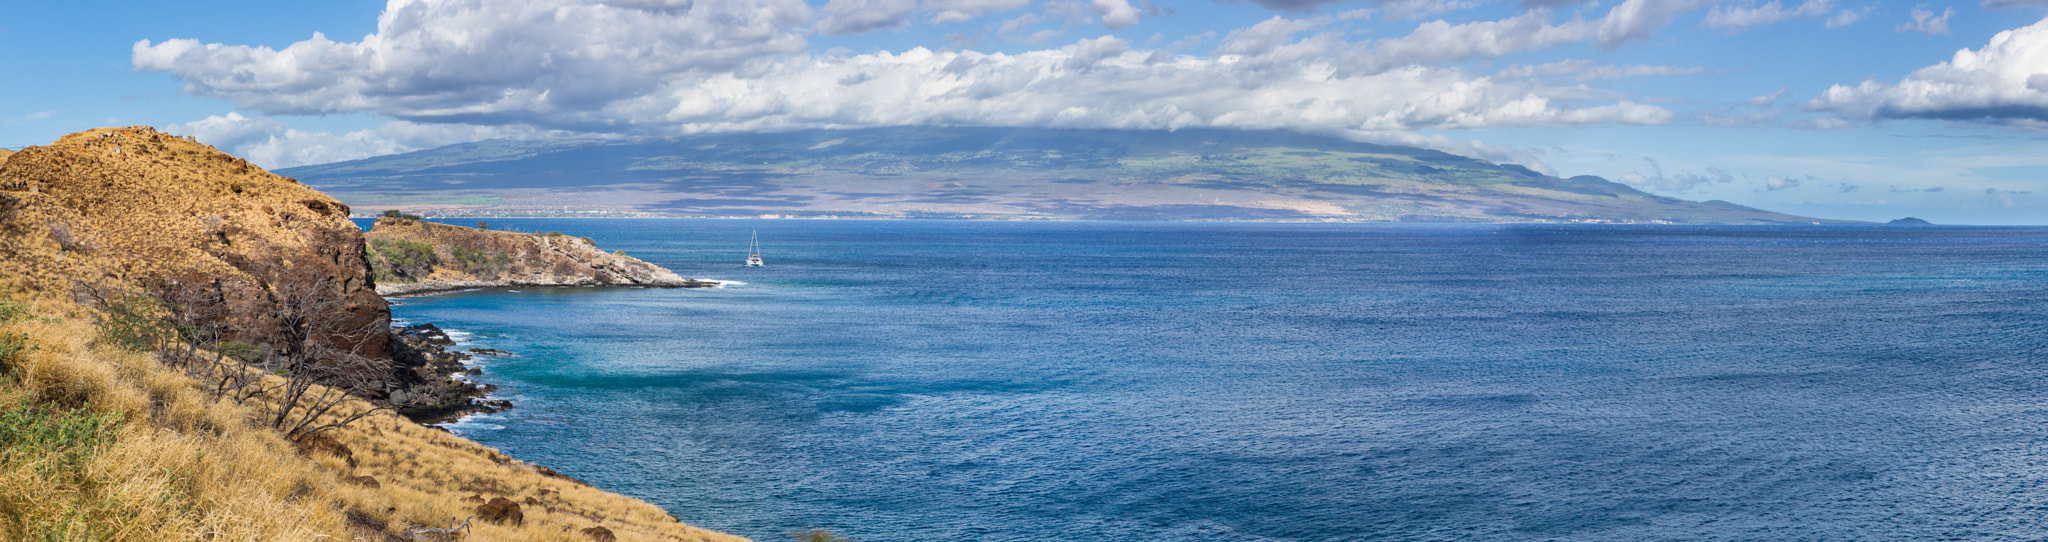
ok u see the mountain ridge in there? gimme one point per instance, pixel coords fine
(1015, 173)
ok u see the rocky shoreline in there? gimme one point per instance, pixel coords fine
(425, 386)
(408, 289)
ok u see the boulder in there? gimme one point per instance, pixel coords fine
(501, 511)
(600, 534)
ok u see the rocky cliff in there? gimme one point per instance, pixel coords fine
(416, 257)
(122, 212)
(118, 207)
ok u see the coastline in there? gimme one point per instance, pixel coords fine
(414, 289)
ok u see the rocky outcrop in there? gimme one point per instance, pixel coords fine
(417, 257)
(423, 385)
(502, 511)
(121, 207)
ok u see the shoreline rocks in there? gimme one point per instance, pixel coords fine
(423, 386)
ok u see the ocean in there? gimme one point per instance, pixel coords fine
(941, 381)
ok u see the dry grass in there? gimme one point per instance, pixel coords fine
(175, 465)
(102, 443)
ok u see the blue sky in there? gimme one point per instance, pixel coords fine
(1829, 108)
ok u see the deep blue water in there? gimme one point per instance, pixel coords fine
(1136, 381)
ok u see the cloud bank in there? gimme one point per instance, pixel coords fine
(676, 66)
(1999, 83)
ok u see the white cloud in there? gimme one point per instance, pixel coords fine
(1819, 123)
(1771, 99)
(1295, 6)
(1925, 22)
(1438, 42)
(950, 11)
(859, 16)
(1994, 84)
(272, 144)
(1265, 36)
(1102, 83)
(1737, 18)
(656, 67)
(1401, 10)
(1472, 148)
(1849, 16)
(1634, 20)
(1775, 183)
(556, 61)
(1744, 118)
(1587, 70)
(1116, 13)
(1658, 181)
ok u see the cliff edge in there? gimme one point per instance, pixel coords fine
(117, 206)
(413, 257)
(167, 311)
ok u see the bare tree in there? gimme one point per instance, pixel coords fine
(185, 323)
(322, 361)
(318, 358)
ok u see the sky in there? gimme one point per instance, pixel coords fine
(1828, 108)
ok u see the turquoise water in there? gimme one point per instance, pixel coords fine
(1136, 381)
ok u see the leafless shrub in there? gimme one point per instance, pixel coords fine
(70, 240)
(317, 357)
(433, 534)
(324, 359)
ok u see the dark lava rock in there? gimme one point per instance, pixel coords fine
(600, 534)
(501, 511)
(422, 385)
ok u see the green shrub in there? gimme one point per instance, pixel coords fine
(482, 263)
(400, 260)
(9, 312)
(129, 320)
(63, 440)
(13, 345)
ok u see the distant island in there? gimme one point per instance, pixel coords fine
(996, 173)
(1909, 221)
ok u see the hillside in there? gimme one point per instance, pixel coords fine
(415, 256)
(995, 173)
(186, 342)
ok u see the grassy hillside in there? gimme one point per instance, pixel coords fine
(995, 173)
(100, 442)
(130, 413)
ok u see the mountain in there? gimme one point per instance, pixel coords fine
(995, 173)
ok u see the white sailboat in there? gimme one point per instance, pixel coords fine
(754, 251)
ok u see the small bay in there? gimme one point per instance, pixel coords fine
(935, 380)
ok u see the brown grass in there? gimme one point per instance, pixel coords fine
(178, 466)
(146, 456)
